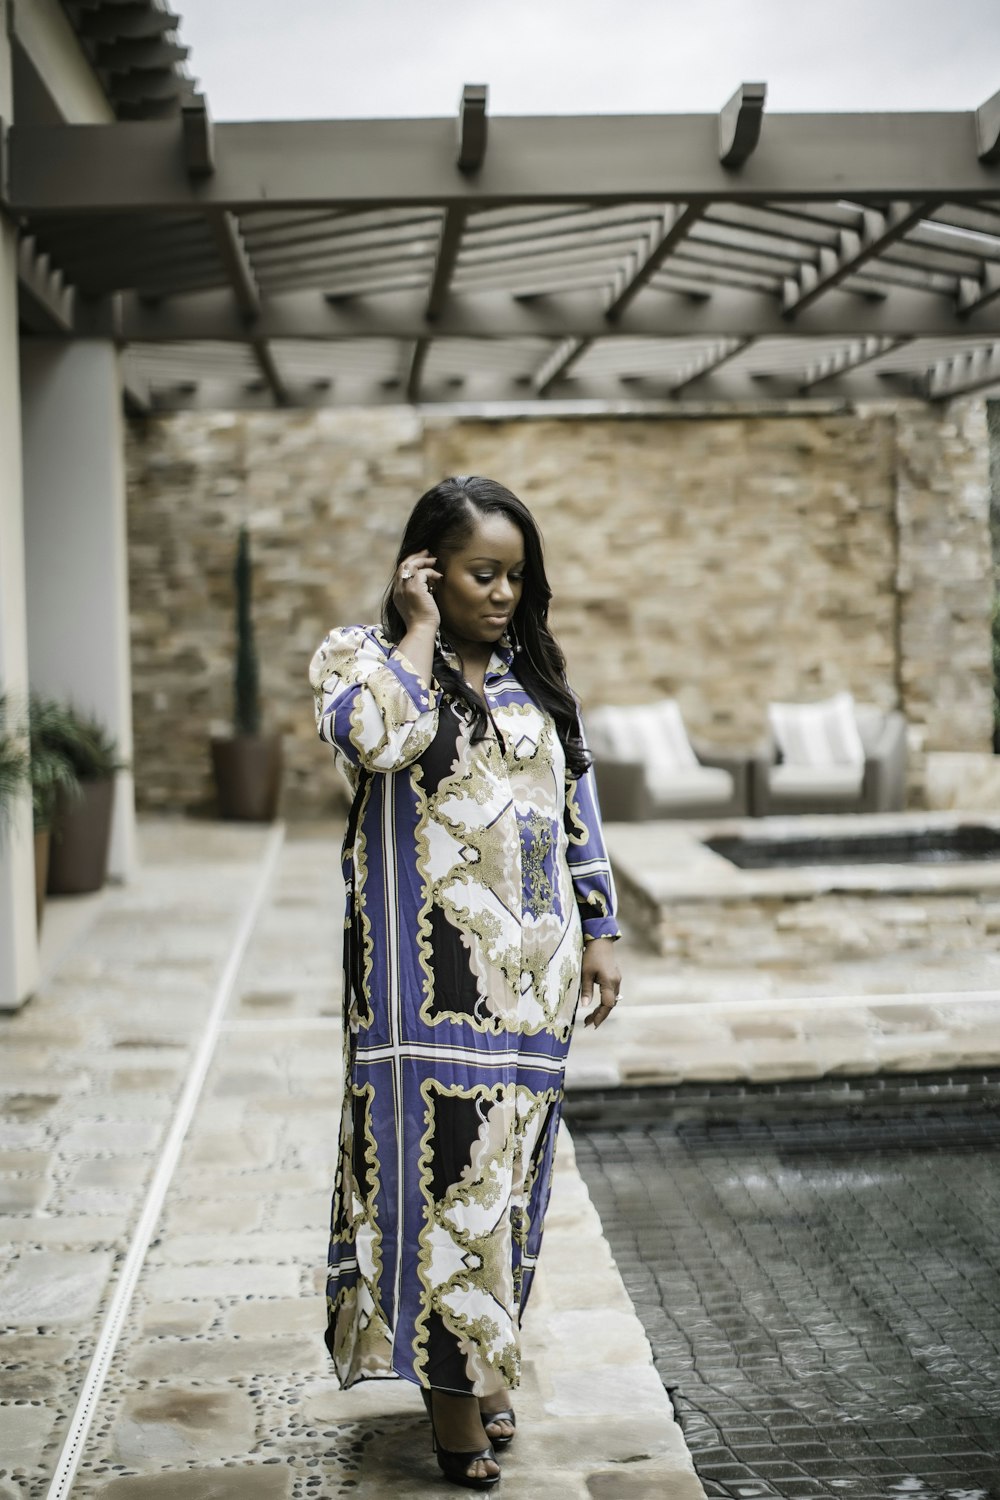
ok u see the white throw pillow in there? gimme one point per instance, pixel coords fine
(664, 748)
(650, 733)
(818, 734)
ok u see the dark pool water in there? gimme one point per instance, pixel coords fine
(929, 847)
(820, 1285)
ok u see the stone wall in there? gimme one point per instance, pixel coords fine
(727, 561)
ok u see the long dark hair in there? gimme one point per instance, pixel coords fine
(444, 518)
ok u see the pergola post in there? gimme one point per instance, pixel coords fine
(76, 546)
(19, 970)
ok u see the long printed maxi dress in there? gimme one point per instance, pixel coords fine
(474, 874)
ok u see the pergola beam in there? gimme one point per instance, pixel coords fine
(988, 130)
(754, 391)
(472, 132)
(739, 124)
(727, 313)
(856, 247)
(136, 166)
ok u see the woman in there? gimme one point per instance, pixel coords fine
(480, 910)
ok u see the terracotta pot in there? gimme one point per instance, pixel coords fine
(248, 776)
(41, 872)
(81, 833)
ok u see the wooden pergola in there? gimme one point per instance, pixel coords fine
(737, 257)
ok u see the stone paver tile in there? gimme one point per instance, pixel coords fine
(30, 1163)
(184, 1319)
(571, 1336)
(607, 1391)
(272, 1247)
(172, 1282)
(257, 1481)
(68, 1230)
(20, 1195)
(51, 1286)
(18, 1106)
(231, 1148)
(198, 1214)
(116, 1173)
(780, 1059)
(577, 1292)
(24, 1430)
(227, 1358)
(96, 1136)
(278, 1315)
(615, 1485)
(196, 1183)
(161, 1427)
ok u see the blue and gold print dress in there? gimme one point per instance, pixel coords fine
(474, 874)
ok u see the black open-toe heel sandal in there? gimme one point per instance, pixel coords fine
(506, 1414)
(454, 1466)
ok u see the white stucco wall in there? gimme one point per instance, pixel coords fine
(75, 544)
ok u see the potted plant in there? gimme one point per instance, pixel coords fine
(30, 746)
(247, 766)
(81, 831)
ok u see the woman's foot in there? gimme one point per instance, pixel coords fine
(498, 1418)
(458, 1428)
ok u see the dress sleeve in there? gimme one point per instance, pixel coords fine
(371, 704)
(588, 860)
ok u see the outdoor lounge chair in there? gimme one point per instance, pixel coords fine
(834, 756)
(647, 766)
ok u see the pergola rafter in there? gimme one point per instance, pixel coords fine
(499, 260)
(861, 352)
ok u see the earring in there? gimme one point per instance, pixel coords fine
(511, 635)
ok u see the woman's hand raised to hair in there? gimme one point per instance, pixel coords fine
(413, 593)
(413, 596)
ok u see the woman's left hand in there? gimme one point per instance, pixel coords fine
(600, 969)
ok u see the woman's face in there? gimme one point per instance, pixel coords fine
(483, 580)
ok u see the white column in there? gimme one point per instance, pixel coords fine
(75, 545)
(18, 937)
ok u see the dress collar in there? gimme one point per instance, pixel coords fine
(497, 666)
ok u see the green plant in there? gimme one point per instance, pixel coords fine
(246, 710)
(51, 727)
(80, 739)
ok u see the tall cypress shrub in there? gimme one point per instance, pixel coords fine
(246, 713)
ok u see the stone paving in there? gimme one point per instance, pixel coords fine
(818, 1275)
(725, 1004)
(219, 1387)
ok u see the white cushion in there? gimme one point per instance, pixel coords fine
(818, 734)
(816, 781)
(658, 731)
(599, 730)
(683, 788)
(651, 733)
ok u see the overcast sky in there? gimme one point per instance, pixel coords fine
(295, 59)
